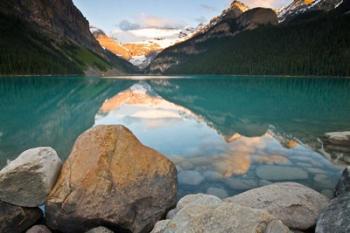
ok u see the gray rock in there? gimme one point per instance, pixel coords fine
(190, 177)
(100, 230)
(275, 173)
(28, 179)
(15, 219)
(219, 192)
(194, 200)
(296, 205)
(336, 217)
(337, 145)
(343, 185)
(39, 229)
(218, 218)
(276, 226)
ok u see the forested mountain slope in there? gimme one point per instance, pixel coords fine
(51, 37)
(314, 43)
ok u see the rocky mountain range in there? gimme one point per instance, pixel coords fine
(56, 30)
(53, 37)
(258, 41)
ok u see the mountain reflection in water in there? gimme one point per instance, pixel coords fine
(225, 134)
(207, 159)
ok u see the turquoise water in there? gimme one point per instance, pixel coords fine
(225, 134)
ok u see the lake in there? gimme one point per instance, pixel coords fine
(225, 134)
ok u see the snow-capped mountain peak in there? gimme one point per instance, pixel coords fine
(300, 6)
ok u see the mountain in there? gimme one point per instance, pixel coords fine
(230, 23)
(220, 23)
(139, 54)
(301, 6)
(313, 43)
(110, 44)
(51, 37)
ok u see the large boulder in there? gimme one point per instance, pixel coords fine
(343, 185)
(27, 180)
(336, 217)
(111, 179)
(296, 205)
(195, 215)
(15, 219)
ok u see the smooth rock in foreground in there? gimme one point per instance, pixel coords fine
(336, 217)
(194, 200)
(215, 217)
(100, 230)
(15, 219)
(343, 185)
(27, 180)
(294, 204)
(111, 179)
(39, 229)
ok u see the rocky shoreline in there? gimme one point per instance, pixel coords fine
(113, 183)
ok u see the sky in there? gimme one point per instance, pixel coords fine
(125, 15)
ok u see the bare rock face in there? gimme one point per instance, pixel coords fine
(58, 18)
(196, 215)
(111, 179)
(294, 204)
(27, 180)
(257, 17)
(15, 219)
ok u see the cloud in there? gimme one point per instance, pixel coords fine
(126, 25)
(149, 21)
(208, 7)
(267, 3)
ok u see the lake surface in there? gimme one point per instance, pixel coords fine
(225, 134)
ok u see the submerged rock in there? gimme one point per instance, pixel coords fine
(15, 219)
(343, 185)
(337, 145)
(196, 215)
(294, 204)
(336, 217)
(27, 180)
(276, 173)
(111, 179)
(190, 177)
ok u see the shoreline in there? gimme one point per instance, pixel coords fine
(110, 176)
